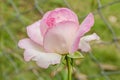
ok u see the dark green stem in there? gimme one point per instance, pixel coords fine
(69, 67)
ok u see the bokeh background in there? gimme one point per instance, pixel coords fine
(102, 63)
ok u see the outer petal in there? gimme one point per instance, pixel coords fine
(59, 39)
(34, 32)
(84, 42)
(35, 52)
(58, 15)
(64, 14)
(42, 59)
(29, 44)
(84, 27)
(43, 24)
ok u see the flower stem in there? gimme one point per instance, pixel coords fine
(69, 67)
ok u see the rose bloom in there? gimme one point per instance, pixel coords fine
(57, 33)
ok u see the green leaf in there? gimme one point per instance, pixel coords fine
(63, 60)
(76, 55)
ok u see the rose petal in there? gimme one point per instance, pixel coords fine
(29, 44)
(36, 53)
(84, 27)
(64, 14)
(60, 38)
(91, 37)
(43, 25)
(42, 59)
(58, 15)
(34, 33)
(84, 42)
(84, 46)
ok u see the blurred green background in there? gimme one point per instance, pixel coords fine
(103, 63)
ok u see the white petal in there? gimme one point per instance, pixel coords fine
(27, 43)
(93, 36)
(84, 42)
(42, 59)
(84, 46)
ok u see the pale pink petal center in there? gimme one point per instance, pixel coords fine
(60, 38)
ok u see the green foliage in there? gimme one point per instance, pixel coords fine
(76, 55)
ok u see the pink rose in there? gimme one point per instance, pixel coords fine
(57, 33)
